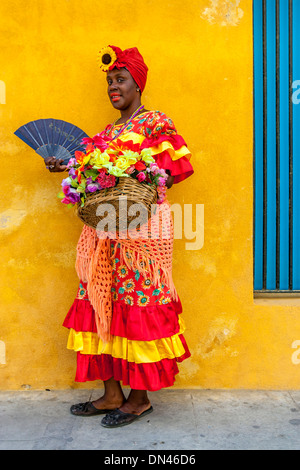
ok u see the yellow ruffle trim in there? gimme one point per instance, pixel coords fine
(136, 138)
(174, 154)
(139, 352)
(156, 149)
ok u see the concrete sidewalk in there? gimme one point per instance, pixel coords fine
(182, 420)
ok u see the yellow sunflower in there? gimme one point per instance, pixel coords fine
(129, 300)
(143, 300)
(106, 58)
(129, 285)
(146, 283)
(122, 271)
(81, 293)
(164, 300)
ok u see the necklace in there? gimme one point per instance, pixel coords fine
(126, 124)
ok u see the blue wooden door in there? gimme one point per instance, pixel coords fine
(276, 33)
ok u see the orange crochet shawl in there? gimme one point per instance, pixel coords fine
(150, 254)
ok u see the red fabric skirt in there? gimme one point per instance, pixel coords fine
(147, 334)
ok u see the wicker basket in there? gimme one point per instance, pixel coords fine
(128, 190)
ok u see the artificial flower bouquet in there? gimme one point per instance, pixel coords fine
(103, 163)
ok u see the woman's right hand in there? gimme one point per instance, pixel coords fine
(54, 165)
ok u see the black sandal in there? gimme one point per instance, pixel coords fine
(117, 418)
(86, 409)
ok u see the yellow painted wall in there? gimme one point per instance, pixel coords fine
(199, 54)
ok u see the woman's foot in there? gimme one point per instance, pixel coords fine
(117, 418)
(100, 406)
(113, 398)
(111, 403)
(134, 408)
(136, 403)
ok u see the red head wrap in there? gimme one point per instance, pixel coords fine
(131, 59)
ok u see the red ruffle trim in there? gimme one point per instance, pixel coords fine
(81, 316)
(180, 169)
(175, 140)
(132, 322)
(151, 376)
(145, 323)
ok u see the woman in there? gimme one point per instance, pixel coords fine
(146, 328)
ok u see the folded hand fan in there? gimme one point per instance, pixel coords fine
(52, 138)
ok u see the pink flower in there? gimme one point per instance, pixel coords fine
(141, 177)
(99, 140)
(66, 190)
(71, 162)
(161, 181)
(163, 173)
(106, 181)
(86, 141)
(154, 168)
(66, 185)
(65, 200)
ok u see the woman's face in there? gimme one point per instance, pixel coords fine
(122, 89)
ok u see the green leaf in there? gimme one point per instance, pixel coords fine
(139, 292)
(121, 290)
(74, 183)
(92, 172)
(156, 292)
(81, 188)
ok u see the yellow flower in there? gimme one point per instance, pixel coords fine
(86, 159)
(146, 283)
(143, 300)
(106, 58)
(129, 300)
(117, 172)
(131, 156)
(164, 300)
(122, 271)
(146, 156)
(129, 285)
(122, 163)
(98, 159)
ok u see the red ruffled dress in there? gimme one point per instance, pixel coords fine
(147, 326)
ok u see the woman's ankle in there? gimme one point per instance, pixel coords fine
(109, 402)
